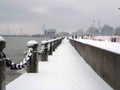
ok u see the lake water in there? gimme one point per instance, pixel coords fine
(15, 48)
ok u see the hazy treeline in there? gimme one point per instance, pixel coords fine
(106, 30)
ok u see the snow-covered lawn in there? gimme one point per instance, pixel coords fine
(65, 70)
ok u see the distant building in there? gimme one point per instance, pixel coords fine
(50, 32)
(62, 34)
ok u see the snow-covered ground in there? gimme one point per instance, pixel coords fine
(109, 46)
(65, 70)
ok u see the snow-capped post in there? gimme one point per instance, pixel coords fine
(53, 45)
(32, 66)
(44, 54)
(50, 48)
(2, 64)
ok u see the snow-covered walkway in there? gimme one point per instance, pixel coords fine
(65, 70)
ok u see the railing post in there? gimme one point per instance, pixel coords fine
(50, 48)
(57, 42)
(2, 64)
(32, 66)
(53, 45)
(44, 54)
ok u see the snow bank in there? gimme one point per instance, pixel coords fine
(109, 46)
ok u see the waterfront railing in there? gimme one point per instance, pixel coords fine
(31, 59)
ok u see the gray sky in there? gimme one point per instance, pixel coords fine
(64, 15)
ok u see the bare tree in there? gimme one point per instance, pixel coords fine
(117, 31)
(107, 30)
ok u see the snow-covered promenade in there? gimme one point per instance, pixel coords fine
(65, 70)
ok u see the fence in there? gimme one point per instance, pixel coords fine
(30, 60)
(106, 64)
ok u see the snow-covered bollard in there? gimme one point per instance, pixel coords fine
(50, 47)
(2, 64)
(32, 66)
(44, 54)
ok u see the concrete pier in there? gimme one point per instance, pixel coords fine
(65, 70)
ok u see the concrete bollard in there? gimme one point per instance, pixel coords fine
(44, 54)
(32, 66)
(2, 64)
(50, 48)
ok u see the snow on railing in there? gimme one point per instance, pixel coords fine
(99, 38)
(30, 60)
(47, 48)
(109, 46)
(13, 66)
(21, 65)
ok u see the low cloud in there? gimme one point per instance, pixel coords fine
(39, 10)
(59, 14)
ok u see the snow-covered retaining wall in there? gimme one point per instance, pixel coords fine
(104, 62)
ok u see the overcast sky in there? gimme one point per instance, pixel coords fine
(64, 15)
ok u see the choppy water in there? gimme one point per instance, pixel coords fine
(15, 48)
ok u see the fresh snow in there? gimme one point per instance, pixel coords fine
(44, 42)
(109, 46)
(31, 43)
(65, 70)
(1, 38)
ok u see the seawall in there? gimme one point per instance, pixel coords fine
(105, 63)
